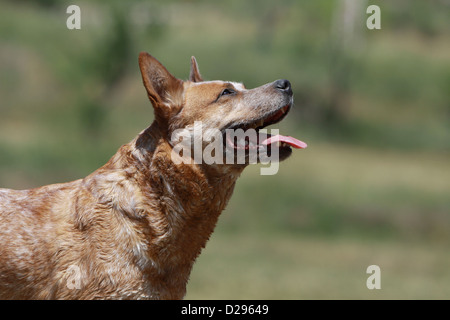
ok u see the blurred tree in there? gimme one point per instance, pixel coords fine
(115, 51)
(344, 44)
(110, 62)
(43, 3)
(446, 89)
(108, 68)
(266, 31)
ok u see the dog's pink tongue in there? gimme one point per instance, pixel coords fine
(289, 140)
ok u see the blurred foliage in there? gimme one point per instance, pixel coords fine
(373, 105)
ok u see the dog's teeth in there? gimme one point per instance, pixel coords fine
(278, 144)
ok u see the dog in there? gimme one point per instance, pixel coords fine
(133, 228)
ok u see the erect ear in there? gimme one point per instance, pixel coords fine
(163, 89)
(194, 75)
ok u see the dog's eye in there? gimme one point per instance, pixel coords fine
(227, 92)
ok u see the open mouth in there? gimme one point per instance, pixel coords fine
(250, 137)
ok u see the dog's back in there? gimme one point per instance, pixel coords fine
(85, 239)
(31, 222)
(81, 240)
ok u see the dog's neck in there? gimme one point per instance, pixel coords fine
(191, 192)
(180, 202)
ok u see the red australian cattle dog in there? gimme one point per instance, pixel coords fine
(133, 228)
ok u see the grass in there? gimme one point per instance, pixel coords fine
(311, 231)
(335, 189)
(252, 266)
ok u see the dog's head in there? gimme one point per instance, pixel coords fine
(224, 118)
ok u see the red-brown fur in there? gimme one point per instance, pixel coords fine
(134, 227)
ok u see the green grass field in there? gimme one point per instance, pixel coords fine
(311, 231)
(254, 266)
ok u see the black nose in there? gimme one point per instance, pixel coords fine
(283, 85)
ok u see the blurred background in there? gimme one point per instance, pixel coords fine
(373, 186)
